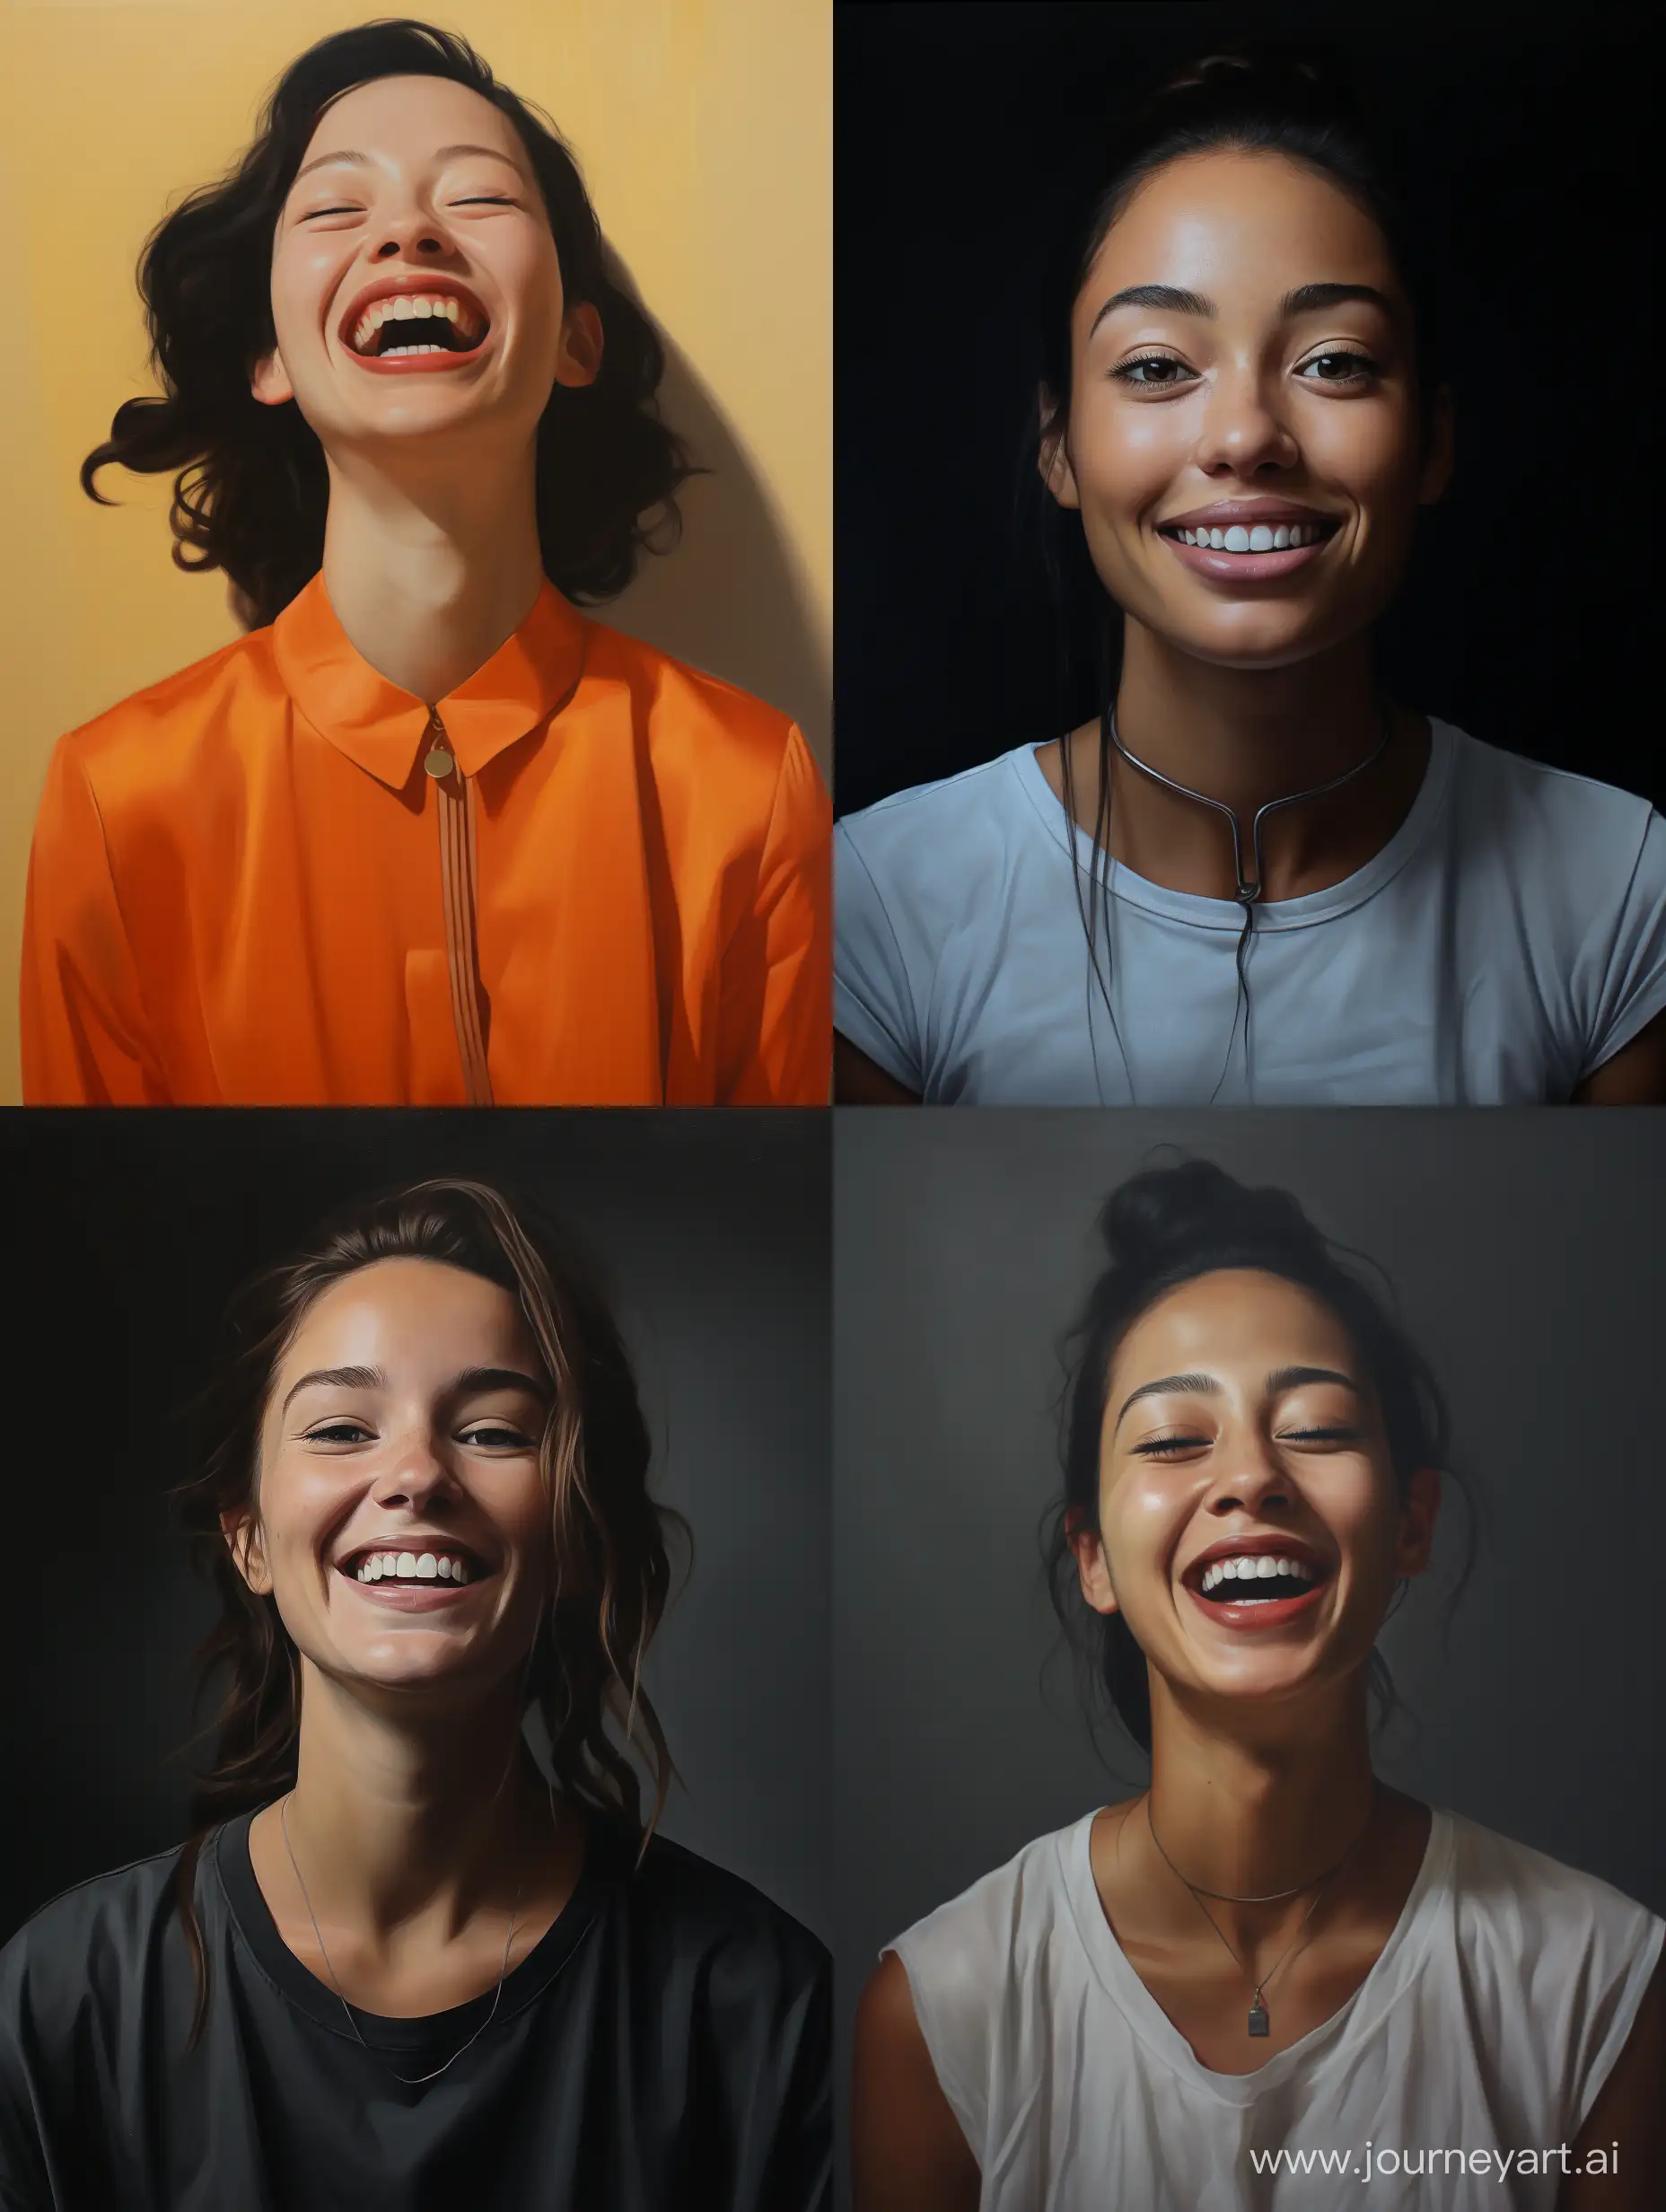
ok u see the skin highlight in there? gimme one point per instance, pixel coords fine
(418, 1813)
(1262, 1773)
(431, 548)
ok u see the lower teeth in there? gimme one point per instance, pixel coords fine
(394, 353)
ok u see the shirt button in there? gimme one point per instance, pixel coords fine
(439, 763)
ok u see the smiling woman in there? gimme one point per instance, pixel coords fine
(1270, 1951)
(427, 834)
(1253, 877)
(421, 1493)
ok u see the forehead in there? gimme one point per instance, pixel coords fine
(1236, 1321)
(409, 1309)
(1242, 228)
(407, 117)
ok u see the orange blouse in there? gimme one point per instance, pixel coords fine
(591, 876)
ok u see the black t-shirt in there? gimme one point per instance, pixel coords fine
(666, 2045)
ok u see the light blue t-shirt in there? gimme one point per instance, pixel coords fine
(1509, 938)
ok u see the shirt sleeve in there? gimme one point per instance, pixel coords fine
(25, 2183)
(872, 1000)
(1629, 986)
(85, 1039)
(776, 1020)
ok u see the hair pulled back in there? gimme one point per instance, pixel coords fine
(1167, 1226)
(610, 1569)
(250, 487)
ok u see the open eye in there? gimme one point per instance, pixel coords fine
(497, 1437)
(1346, 367)
(341, 1431)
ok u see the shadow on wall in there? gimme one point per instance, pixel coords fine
(731, 598)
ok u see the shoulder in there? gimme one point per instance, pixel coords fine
(1536, 1909)
(1581, 821)
(706, 1911)
(152, 725)
(688, 700)
(92, 1941)
(962, 1954)
(975, 798)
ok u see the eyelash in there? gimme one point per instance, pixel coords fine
(355, 1432)
(477, 199)
(1368, 368)
(1159, 1447)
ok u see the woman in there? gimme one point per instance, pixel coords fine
(427, 835)
(1267, 1951)
(1252, 877)
(394, 1965)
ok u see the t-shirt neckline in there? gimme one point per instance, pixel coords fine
(1390, 1971)
(419, 2036)
(1202, 913)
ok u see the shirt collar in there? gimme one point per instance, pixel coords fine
(383, 729)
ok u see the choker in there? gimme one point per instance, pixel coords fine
(1249, 887)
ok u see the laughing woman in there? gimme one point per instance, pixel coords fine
(428, 834)
(1252, 877)
(394, 1966)
(1269, 1949)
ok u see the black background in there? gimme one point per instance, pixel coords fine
(125, 1232)
(1530, 142)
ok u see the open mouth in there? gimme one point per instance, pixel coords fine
(1257, 538)
(1254, 1578)
(387, 1566)
(409, 326)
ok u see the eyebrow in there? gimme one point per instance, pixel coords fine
(444, 153)
(1280, 1380)
(1305, 300)
(469, 1383)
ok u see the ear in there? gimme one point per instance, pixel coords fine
(1418, 1517)
(269, 381)
(1436, 473)
(241, 1532)
(1092, 1569)
(579, 361)
(1053, 460)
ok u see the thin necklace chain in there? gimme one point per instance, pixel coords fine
(411, 2081)
(1275, 1897)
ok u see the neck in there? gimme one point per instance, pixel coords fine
(430, 569)
(395, 1818)
(1245, 737)
(1252, 1818)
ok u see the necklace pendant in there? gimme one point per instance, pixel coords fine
(1259, 2024)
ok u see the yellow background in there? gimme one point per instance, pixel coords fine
(703, 129)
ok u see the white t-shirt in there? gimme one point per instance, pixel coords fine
(1489, 2023)
(1509, 938)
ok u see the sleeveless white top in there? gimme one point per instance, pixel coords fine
(1490, 2021)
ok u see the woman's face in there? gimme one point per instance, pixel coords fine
(1241, 356)
(401, 1523)
(417, 194)
(1250, 1527)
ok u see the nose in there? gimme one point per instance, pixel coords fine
(416, 1472)
(1250, 1478)
(1243, 433)
(416, 233)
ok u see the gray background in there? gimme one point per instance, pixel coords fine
(1529, 1254)
(125, 1231)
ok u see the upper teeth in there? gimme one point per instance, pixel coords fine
(1260, 1566)
(1260, 540)
(412, 1566)
(408, 307)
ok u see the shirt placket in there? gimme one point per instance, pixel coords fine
(455, 801)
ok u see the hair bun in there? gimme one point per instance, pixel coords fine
(1163, 1217)
(1253, 67)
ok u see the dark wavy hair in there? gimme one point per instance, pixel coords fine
(251, 489)
(1251, 96)
(611, 1564)
(1167, 1226)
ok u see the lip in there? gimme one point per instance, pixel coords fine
(1245, 567)
(1257, 1613)
(405, 284)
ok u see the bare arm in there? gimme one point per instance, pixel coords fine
(858, 1081)
(1635, 1077)
(908, 2153)
(1630, 2111)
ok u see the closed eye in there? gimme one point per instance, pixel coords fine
(1160, 1447)
(1318, 1436)
(497, 1437)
